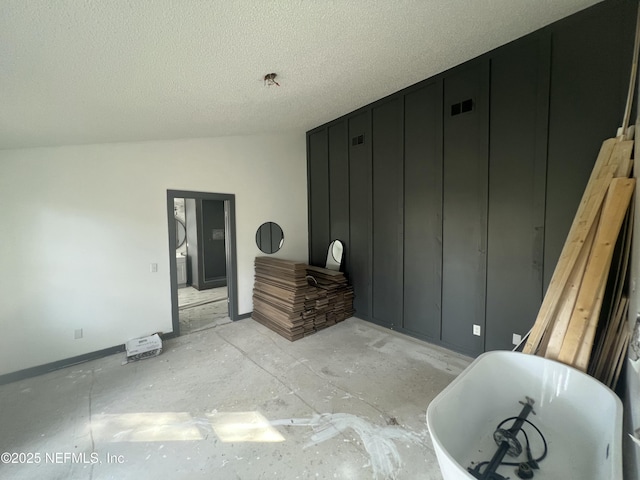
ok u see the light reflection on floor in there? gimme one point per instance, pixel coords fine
(182, 426)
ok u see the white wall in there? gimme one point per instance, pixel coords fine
(81, 224)
(632, 391)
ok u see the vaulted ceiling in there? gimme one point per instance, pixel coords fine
(95, 71)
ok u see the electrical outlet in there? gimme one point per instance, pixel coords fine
(153, 268)
(476, 330)
(78, 334)
(516, 339)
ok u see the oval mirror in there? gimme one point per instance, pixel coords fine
(181, 232)
(334, 255)
(269, 237)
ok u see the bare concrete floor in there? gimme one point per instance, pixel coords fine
(235, 402)
(198, 310)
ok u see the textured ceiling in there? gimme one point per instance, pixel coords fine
(94, 71)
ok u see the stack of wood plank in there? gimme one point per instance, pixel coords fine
(314, 300)
(279, 295)
(566, 325)
(335, 296)
(295, 299)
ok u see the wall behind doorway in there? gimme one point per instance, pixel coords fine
(206, 256)
(85, 223)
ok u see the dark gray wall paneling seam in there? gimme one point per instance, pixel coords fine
(465, 177)
(422, 255)
(542, 147)
(339, 186)
(360, 198)
(387, 154)
(516, 194)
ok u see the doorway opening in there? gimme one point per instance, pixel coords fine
(202, 259)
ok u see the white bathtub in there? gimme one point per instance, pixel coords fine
(580, 418)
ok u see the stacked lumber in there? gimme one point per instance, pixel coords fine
(279, 296)
(614, 334)
(313, 302)
(566, 325)
(333, 296)
(295, 299)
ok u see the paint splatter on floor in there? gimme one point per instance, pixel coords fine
(378, 441)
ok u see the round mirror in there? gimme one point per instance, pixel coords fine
(269, 237)
(181, 232)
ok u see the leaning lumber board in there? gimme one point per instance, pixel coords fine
(616, 333)
(624, 170)
(620, 346)
(621, 357)
(586, 346)
(619, 277)
(611, 334)
(568, 258)
(630, 170)
(621, 158)
(622, 264)
(585, 216)
(613, 213)
(586, 352)
(568, 299)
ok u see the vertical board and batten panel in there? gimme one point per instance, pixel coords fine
(464, 229)
(318, 184)
(360, 212)
(339, 187)
(590, 66)
(517, 171)
(589, 62)
(387, 157)
(423, 210)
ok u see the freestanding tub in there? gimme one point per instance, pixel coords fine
(580, 418)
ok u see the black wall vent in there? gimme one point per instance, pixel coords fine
(462, 107)
(359, 140)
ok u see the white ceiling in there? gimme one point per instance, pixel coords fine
(94, 71)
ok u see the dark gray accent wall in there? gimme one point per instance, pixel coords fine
(423, 210)
(464, 223)
(318, 174)
(359, 272)
(462, 188)
(518, 139)
(590, 66)
(387, 157)
(339, 187)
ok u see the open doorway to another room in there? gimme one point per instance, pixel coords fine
(202, 259)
